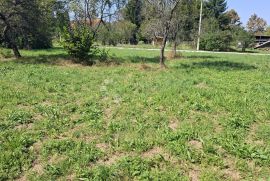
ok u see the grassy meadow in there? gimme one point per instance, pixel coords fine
(206, 117)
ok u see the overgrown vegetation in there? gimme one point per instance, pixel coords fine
(206, 117)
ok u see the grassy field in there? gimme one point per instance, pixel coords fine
(206, 117)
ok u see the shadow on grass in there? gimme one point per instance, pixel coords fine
(60, 58)
(136, 59)
(218, 65)
(200, 57)
(54, 59)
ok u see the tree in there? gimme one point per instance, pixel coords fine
(234, 18)
(94, 13)
(243, 37)
(216, 41)
(182, 23)
(116, 32)
(89, 16)
(26, 24)
(160, 14)
(256, 25)
(61, 18)
(133, 13)
(11, 15)
(267, 31)
(217, 9)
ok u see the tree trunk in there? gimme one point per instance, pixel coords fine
(174, 49)
(15, 50)
(162, 50)
(8, 39)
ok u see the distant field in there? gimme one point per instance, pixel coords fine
(206, 117)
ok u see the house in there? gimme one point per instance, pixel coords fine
(157, 40)
(262, 41)
(91, 23)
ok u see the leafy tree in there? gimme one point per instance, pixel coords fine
(26, 24)
(89, 16)
(216, 41)
(182, 23)
(116, 32)
(256, 25)
(159, 14)
(61, 18)
(234, 18)
(133, 13)
(267, 31)
(78, 41)
(243, 37)
(14, 19)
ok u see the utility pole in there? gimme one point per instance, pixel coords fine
(200, 27)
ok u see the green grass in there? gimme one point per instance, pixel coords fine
(207, 116)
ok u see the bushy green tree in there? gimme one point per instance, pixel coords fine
(243, 38)
(79, 44)
(183, 22)
(267, 31)
(133, 13)
(26, 24)
(216, 41)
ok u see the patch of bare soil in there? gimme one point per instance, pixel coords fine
(56, 159)
(232, 174)
(195, 144)
(71, 177)
(37, 167)
(194, 174)
(231, 170)
(145, 67)
(159, 151)
(111, 159)
(37, 146)
(173, 124)
(251, 138)
(102, 146)
(108, 113)
(202, 85)
(153, 152)
(24, 126)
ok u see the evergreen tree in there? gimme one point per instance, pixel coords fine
(133, 13)
(217, 9)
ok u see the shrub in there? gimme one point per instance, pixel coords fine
(216, 41)
(103, 55)
(243, 38)
(79, 43)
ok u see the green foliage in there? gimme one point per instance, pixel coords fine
(117, 32)
(216, 9)
(20, 117)
(246, 39)
(79, 44)
(216, 41)
(103, 55)
(133, 13)
(16, 155)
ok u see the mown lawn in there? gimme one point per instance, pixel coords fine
(206, 117)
